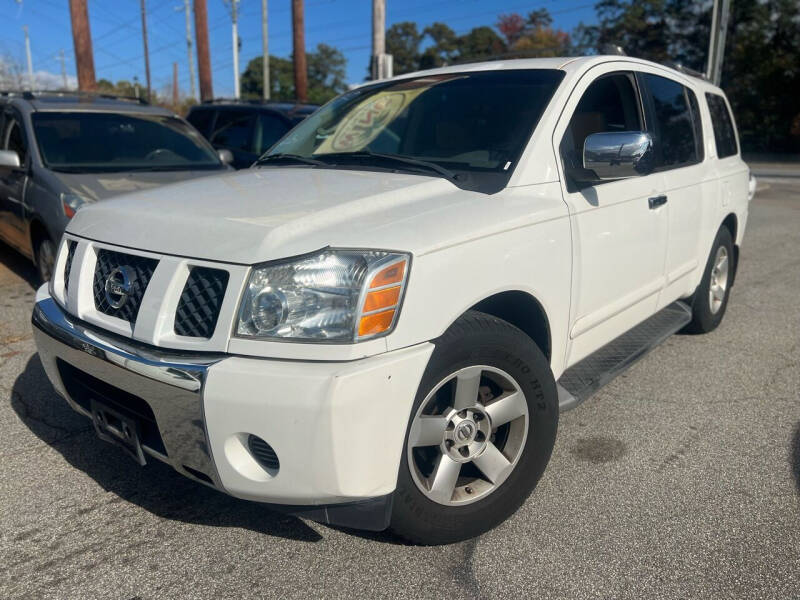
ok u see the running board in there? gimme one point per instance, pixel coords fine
(582, 380)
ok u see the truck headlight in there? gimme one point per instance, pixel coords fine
(332, 295)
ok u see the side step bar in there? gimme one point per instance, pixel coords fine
(583, 379)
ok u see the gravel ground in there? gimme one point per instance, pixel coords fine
(681, 479)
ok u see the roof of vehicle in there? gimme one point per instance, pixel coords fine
(78, 101)
(286, 108)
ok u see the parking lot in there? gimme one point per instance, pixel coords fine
(680, 479)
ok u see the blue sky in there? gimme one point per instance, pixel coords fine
(118, 53)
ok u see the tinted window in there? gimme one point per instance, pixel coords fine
(234, 130)
(15, 140)
(93, 142)
(722, 123)
(270, 130)
(475, 124)
(201, 118)
(673, 130)
(610, 103)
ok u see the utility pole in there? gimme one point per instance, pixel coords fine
(716, 44)
(299, 52)
(175, 94)
(146, 53)
(265, 51)
(203, 60)
(381, 64)
(82, 40)
(63, 62)
(190, 56)
(235, 38)
(28, 54)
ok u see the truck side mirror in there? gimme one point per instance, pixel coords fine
(618, 154)
(226, 156)
(9, 159)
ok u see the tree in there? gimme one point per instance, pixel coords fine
(402, 42)
(326, 76)
(534, 36)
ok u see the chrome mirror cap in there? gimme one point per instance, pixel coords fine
(226, 156)
(618, 154)
(9, 158)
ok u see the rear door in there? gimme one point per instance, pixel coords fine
(675, 125)
(13, 183)
(234, 130)
(619, 241)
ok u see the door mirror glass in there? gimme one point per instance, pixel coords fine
(226, 156)
(618, 154)
(9, 159)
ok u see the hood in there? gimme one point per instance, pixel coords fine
(256, 215)
(100, 186)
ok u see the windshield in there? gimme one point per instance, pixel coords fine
(100, 141)
(472, 125)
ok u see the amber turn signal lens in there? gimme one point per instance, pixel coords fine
(391, 274)
(381, 299)
(375, 323)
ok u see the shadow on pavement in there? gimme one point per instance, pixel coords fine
(157, 488)
(19, 265)
(794, 456)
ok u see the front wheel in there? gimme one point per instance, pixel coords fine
(45, 259)
(480, 434)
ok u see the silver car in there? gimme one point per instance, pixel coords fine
(60, 151)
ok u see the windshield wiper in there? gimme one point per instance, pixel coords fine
(289, 157)
(407, 160)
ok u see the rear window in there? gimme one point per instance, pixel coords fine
(721, 121)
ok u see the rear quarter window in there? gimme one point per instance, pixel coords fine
(722, 123)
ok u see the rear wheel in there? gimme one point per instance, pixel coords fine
(711, 298)
(45, 258)
(480, 435)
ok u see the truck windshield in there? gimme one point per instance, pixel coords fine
(473, 126)
(102, 141)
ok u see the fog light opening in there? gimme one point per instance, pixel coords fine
(264, 454)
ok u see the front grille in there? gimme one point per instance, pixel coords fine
(71, 245)
(83, 388)
(263, 453)
(139, 269)
(201, 299)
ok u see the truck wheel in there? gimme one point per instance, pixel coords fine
(481, 432)
(45, 259)
(711, 298)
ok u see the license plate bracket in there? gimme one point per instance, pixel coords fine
(121, 430)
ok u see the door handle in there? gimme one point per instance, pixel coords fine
(657, 201)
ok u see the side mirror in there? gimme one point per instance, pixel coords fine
(618, 155)
(9, 159)
(226, 156)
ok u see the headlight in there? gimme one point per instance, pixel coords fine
(333, 295)
(71, 203)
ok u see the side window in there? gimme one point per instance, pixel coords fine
(234, 129)
(721, 121)
(15, 140)
(270, 130)
(611, 103)
(201, 120)
(675, 144)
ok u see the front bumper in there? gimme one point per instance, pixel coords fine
(337, 427)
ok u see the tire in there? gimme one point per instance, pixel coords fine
(45, 255)
(504, 361)
(707, 313)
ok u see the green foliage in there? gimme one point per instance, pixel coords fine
(326, 76)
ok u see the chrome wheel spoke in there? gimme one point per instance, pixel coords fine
(467, 384)
(427, 431)
(444, 478)
(493, 464)
(507, 408)
(722, 264)
(718, 292)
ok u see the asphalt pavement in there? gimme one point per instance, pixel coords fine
(681, 479)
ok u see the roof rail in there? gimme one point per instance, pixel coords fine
(259, 101)
(32, 95)
(686, 70)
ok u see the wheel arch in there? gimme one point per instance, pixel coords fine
(522, 310)
(731, 223)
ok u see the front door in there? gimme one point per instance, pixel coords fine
(12, 187)
(619, 237)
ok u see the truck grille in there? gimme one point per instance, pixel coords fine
(200, 301)
(140, 271)
(71, 245)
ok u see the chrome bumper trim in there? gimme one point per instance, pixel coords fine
(169, 382)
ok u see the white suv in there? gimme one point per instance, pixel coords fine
(379, 323)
